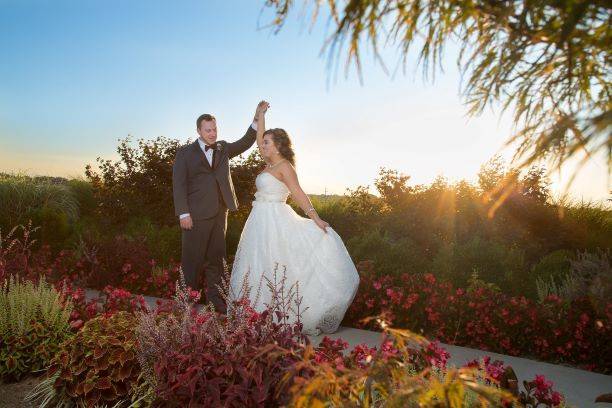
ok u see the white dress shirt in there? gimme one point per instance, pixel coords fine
(209, 157)
(208, 153)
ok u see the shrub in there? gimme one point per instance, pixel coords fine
(405, 370)
(98, 365)
(19, 255)
(163, 242)
(538, 392)
(110, 301)
(427, 354)
(482, 317)
(588, 277)
(553, 265)
(117, 300)
(33, 323)
(82, 191)
(138, 184)
(83, 309)
(402, 372)
(388, 254)
(451, 230)
(49, 203)
(202, 358)
(491, 260)
(122, 261)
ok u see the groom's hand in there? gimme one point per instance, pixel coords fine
(186, 223)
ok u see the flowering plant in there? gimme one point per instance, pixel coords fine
(482, 318)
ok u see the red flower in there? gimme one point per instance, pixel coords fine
(556, 398)
(77, 324)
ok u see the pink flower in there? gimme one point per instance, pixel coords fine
(194, 295)
(362, 355)
(437, 355)
(388, 350)
(541, 383)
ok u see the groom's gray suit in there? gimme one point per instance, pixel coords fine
(206, 192)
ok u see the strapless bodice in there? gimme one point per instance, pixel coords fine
(270, 189)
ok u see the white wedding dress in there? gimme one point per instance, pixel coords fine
(319, 262)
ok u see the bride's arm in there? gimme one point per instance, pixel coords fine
(289, 176)
(261, 123)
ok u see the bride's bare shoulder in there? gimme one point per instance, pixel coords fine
(286, 167)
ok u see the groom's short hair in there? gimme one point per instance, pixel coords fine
(207, 117)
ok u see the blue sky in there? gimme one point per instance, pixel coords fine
(75, 76)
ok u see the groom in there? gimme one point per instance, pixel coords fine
(203, 193)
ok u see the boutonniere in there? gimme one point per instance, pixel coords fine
(218, 147)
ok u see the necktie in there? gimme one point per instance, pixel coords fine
(208, 147)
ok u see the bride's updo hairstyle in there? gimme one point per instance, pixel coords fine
(283, 143)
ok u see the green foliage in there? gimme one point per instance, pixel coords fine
(389, 255)
(448, 229)
(588, 276)
(83, 192)
(137, 189)
(445, 228)
(492, 261)
(33, 322)
(392, 187)
(546, 60)
(356, 214)
(49, 202)
(139, 184)
(553, 266)
(98, 365)
(164, 242)
(591, 222)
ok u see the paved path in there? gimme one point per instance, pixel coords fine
(580, 387)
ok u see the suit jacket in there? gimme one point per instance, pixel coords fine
(196, 184)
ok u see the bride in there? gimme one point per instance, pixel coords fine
(307, 249)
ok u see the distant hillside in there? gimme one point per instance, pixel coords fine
(325, 198)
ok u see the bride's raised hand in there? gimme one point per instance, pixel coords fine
(258, 111)
(262, 108)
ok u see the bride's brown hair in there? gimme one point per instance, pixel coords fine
(283, 143)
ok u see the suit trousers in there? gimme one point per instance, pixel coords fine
(203, 247)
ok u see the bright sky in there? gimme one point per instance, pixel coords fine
(77, 76)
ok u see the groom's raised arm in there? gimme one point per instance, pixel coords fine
(244, 143)
(179, 183)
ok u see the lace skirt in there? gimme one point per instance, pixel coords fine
(276, 237)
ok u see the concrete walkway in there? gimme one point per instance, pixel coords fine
(579, 387)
